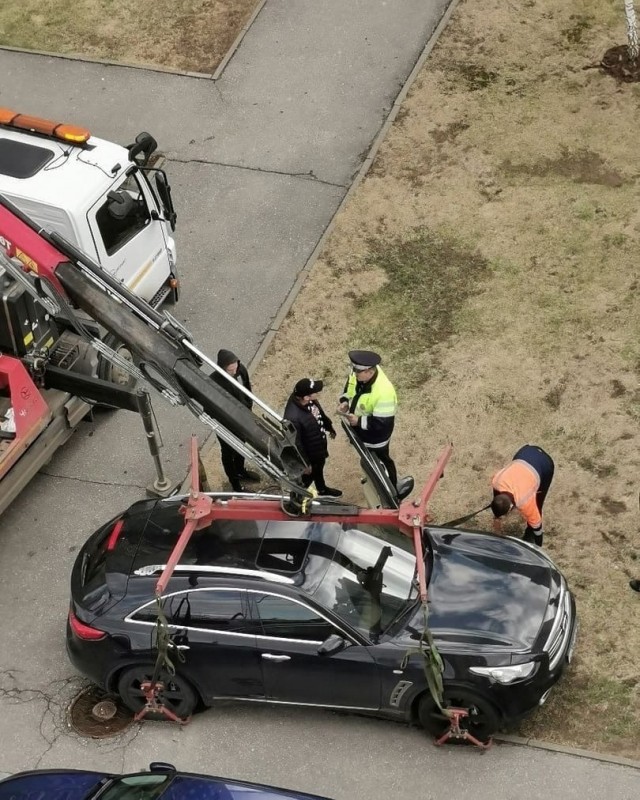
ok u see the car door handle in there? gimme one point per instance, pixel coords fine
(273, 657)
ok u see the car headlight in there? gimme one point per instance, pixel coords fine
(506, 675)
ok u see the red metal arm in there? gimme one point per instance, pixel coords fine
(201, 510)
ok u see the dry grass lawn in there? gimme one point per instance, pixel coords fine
(491, 255)
(183, 34)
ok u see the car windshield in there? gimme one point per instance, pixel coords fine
(370, 578)
(133, 787)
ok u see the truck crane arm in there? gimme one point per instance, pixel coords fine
(65, 279)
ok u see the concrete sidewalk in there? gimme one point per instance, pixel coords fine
(259, 162)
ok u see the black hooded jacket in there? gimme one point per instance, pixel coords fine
(311, 438)
(226, 357)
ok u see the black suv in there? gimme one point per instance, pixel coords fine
(317, 612)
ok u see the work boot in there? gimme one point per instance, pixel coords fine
(249, 475)
(329, 492)
(238, 487)
(635, 585)
(531, 537)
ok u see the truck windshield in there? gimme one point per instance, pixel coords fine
(369, 580)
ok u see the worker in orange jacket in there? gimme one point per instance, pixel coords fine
(523, 484)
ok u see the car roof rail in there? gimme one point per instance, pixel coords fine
(152, 569)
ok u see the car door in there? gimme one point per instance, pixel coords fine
(293, 670)
(378, 489)
(215, 635)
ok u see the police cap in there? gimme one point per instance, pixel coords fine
(364, 359)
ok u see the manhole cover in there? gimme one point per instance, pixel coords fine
(98, 714)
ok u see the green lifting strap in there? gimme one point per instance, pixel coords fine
(164, 645)
(432, 662)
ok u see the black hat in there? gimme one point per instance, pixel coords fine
(226, 357)
(307, 386)
(364, 359)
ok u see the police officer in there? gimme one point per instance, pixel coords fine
(523, 484)
(369, 404)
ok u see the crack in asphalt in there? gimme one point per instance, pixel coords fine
(53, 724)
(309, 176)
(90, 480)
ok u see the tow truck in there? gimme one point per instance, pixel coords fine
(99, 196)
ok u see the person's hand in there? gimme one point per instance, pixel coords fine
(497, 526)
(332, 434)
(352, 420)
(306, 471)
(343, 408)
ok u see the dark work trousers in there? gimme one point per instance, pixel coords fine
(316, 476)
(383, 455)
(233, 465)
(543, 465)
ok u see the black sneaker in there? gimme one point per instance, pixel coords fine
(635, 585)
(250, 476)
(329, 492)
(238, 487)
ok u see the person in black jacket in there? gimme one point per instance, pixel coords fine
(312, 426)
(232, 462)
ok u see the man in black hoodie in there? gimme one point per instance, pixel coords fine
(312, 426)
(232, 462)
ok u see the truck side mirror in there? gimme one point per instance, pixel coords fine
(120, 206)
(164, 193)
(142, 149)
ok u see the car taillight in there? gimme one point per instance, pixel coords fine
(115, 533)
(84, 631)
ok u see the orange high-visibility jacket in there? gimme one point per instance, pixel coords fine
(522, 482)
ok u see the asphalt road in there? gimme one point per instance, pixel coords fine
(259, 162)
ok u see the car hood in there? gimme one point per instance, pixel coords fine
(488, 592)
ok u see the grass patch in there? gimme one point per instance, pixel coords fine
(429, 278)
(184, 34)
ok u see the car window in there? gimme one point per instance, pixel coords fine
(135, 787)
(214, 609)
(118, 227)
(368, 581)
(286, 619)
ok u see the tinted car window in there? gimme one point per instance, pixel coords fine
(283, 618)
(368, 581)
(220, 610)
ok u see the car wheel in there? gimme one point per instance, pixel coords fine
(177, 694)
(483, 720)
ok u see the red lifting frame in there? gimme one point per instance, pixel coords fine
(201, 510)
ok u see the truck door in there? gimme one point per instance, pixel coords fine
(129, 242)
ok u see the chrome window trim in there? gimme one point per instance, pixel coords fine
(171, 626)
(291, 703)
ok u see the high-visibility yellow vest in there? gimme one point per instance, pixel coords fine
(380, 401)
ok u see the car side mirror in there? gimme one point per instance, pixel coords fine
(332, 645)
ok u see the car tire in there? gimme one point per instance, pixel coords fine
(178, 695)
(483, 720)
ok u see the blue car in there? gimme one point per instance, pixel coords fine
(162, 781)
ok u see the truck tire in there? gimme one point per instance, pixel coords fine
(110, 372)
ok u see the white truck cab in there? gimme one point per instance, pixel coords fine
(97, 195)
